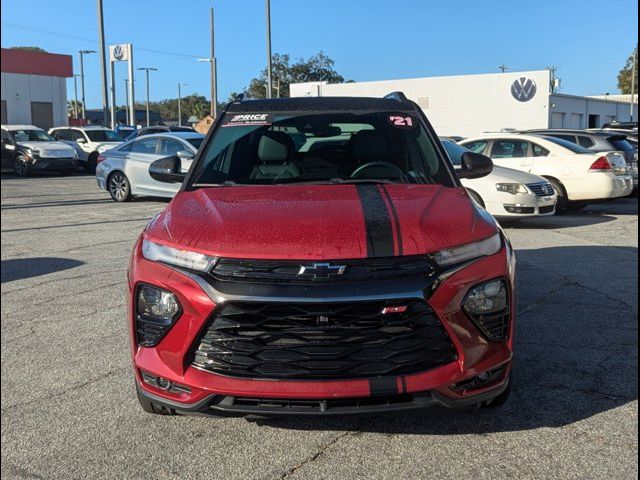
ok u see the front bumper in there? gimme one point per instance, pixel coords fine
(206, 392)
(523, 205)
(39, 163)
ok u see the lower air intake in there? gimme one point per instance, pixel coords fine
(322, 340)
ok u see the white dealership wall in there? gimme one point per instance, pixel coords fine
(468, 105)
(19, 90)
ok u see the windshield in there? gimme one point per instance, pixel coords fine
(336, 147)
(31, 135)
(103, 136)
(196, 142)
(568, 145)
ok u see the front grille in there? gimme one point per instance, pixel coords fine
(546, 209)
(542, 189)
(322, 340)
(282, 271)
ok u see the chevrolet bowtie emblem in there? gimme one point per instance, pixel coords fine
(321, 270)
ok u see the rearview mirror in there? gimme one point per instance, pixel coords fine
(474, 165)
(167, 170)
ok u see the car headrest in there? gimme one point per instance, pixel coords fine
(275, 147)
(368, 146)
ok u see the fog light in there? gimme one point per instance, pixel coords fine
(157, 310)
(485, 298)
(163, 383)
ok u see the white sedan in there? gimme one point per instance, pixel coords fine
(578, 175)
(506, 193)
(124, 171)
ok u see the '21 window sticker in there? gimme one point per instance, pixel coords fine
(401, 121)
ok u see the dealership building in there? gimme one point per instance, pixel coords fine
(34, 87)
(468, 105)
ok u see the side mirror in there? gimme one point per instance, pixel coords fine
(474, 165)
(81, 140)
(167, 170)
(185, 155)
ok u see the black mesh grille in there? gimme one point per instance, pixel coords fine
(279, 271)
(494, 326)
(322, 341)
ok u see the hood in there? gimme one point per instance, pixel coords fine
(315, 222)
(503, 174)
(48, 147)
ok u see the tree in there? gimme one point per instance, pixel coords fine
(624, 77)
(317, 68)
(71, 107)
(29, 49)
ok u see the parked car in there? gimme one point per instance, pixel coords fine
(89, 142)
(505, 193)
(599, 141)
(622, 125)
(27, 149)
(124, 171)
(353, 274)
(158, 129)
(578, 175)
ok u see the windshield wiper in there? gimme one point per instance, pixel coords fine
(227, 183)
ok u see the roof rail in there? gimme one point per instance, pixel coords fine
(399, 96)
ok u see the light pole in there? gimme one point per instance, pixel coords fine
(180, 85)
(213, 110)
(126, 100)
(269, 84)
(75, 95)
(147, 70)
(103, 69)
(82, 53)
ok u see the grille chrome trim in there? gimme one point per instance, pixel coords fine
(541, 189)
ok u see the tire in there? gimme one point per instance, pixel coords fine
(119, 187)
(90, 164)
(477, 198)
(21, 166)
(502, 398)
(150, 407)
(562, 202)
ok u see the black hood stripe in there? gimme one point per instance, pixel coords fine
(394, 216)
(377, 221)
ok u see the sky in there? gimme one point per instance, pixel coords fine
(588, 41)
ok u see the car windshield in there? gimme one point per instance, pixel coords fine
(31, 135)
(575, 148)
(196, 142)
(103, 136)
(322, 147)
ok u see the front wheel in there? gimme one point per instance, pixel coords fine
(119, 187)
(561, 193)
(21, 166)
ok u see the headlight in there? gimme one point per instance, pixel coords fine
(462, 253)
(157, 310)
(489, 297)
(180, 258)
(513, 188)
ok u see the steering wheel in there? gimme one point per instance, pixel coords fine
(394, 170)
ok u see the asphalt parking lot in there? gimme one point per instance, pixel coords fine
(69, 408)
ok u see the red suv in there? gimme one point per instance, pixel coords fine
(321, 258)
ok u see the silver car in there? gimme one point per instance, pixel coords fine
(124, 171)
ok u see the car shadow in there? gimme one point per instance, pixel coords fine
(575, 355)
(21, 268)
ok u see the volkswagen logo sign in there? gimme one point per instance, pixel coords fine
(118, 52)
(523, 89)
